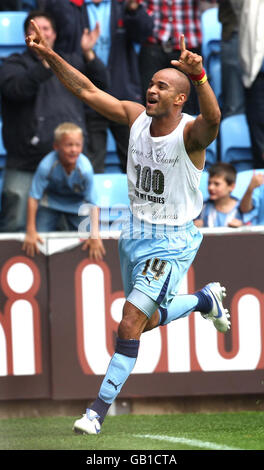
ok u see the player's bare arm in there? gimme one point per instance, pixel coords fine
(123, 112)
(203, 130)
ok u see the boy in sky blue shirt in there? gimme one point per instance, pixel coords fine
(62, 183)
(222, 208)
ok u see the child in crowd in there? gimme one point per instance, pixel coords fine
(252, 203)
(222, 209)
(63, 181)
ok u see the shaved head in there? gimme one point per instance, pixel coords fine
(175, 78)
(167, 93)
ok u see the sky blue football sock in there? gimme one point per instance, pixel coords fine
(183, 305)
(205, 302)
(119, 369)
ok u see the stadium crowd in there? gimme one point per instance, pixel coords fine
(120, 44)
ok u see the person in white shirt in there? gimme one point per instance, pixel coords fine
(165, 159)
(251, 52)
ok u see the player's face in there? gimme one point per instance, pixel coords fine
(69, 148)
(46, 29)
(160, 96)
(218, 188)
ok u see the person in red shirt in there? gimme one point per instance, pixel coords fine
(171, 19)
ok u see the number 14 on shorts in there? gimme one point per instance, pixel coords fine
(156, 265)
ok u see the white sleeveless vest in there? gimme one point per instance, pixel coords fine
(163, 183)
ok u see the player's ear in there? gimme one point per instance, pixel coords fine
(180, 99)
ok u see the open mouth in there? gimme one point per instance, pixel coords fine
(152, 101)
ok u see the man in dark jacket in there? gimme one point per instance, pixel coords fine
(122, 24)
(34, 102)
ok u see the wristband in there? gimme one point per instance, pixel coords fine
(199, 79)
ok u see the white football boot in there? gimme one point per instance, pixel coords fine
(218, 315)
(88, 424)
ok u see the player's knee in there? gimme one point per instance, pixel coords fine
(153, 322)
(126, 329)
(132, 323)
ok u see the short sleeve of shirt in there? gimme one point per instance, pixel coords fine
(39, 182)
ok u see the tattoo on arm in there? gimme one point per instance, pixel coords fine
(71, 78)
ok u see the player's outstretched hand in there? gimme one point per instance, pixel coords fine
(189, 62)
(36, 41)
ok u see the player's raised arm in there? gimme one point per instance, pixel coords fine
(201, 132)
(124, 112)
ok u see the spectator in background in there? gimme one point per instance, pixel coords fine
(122, 23)
(233, 96)
(171, 19)
(34, 102)
(252, 203)
(70, 18)
(251, 48)
(62, 182)
(222, 209)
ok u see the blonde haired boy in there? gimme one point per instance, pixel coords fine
(63, 181)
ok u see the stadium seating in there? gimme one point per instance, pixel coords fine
(112, 195)
(112, 161)
(214, 76)
(12, 37)
(235, 144)
(2, 148)
(211, 46)
(211, 154)
(211, 34)
(2, 160)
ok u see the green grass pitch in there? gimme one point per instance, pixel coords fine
(190, 431)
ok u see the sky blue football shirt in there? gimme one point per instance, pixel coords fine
(56, 189)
